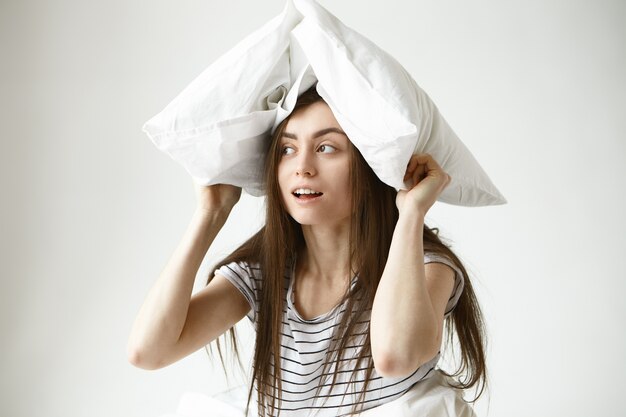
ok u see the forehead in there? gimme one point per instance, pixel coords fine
(310, 119)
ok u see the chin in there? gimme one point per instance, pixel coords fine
(318, 219)
(305, 220)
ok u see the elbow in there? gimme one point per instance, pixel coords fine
(399, 361)
(390, 366)
(138, 359)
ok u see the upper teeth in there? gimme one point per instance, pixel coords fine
(306, 191)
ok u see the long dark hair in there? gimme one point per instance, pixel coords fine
(371, 231)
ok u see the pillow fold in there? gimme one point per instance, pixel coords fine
(219, 126)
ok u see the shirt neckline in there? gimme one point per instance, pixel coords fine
(292, 307)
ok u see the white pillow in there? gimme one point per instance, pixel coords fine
(432, 397)
(218, 126)
(218, 129)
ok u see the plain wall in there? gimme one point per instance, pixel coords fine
(92, 211)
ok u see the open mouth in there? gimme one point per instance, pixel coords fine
(311, 196)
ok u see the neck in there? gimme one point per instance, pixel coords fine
(325, 257)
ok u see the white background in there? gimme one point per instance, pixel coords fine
(92, 211)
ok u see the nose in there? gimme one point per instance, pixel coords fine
(304, 164)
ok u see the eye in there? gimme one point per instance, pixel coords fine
(282, 151)
(326, 146)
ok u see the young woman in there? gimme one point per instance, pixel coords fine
(346, 286)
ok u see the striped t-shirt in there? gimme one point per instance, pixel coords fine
(304, 344)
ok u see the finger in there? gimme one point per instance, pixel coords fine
(413, 162)
(417, 162)
(420, 172)
(427, 159)
(416, 178)
(429, 162)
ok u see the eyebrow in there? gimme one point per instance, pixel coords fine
(316, 134)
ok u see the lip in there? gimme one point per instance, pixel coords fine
(308, 201)
(308, 186)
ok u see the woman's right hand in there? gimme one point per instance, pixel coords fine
(217, 196)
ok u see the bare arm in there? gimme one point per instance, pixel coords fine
(162, 316)
(407, 314)
(409, 305)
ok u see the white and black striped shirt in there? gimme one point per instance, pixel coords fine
(304, 344)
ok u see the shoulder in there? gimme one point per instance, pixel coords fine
(241, 275)
(241, 270)
(240, 265)
(445, 278)
(435, 257)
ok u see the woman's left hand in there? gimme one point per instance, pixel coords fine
(427, 180)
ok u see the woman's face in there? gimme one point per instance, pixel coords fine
(316, 158)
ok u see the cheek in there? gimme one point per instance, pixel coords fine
(342, 174)
(341, 185)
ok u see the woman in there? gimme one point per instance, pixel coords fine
(336, 240)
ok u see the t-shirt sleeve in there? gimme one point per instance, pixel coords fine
(240, 275)
(458, 279)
